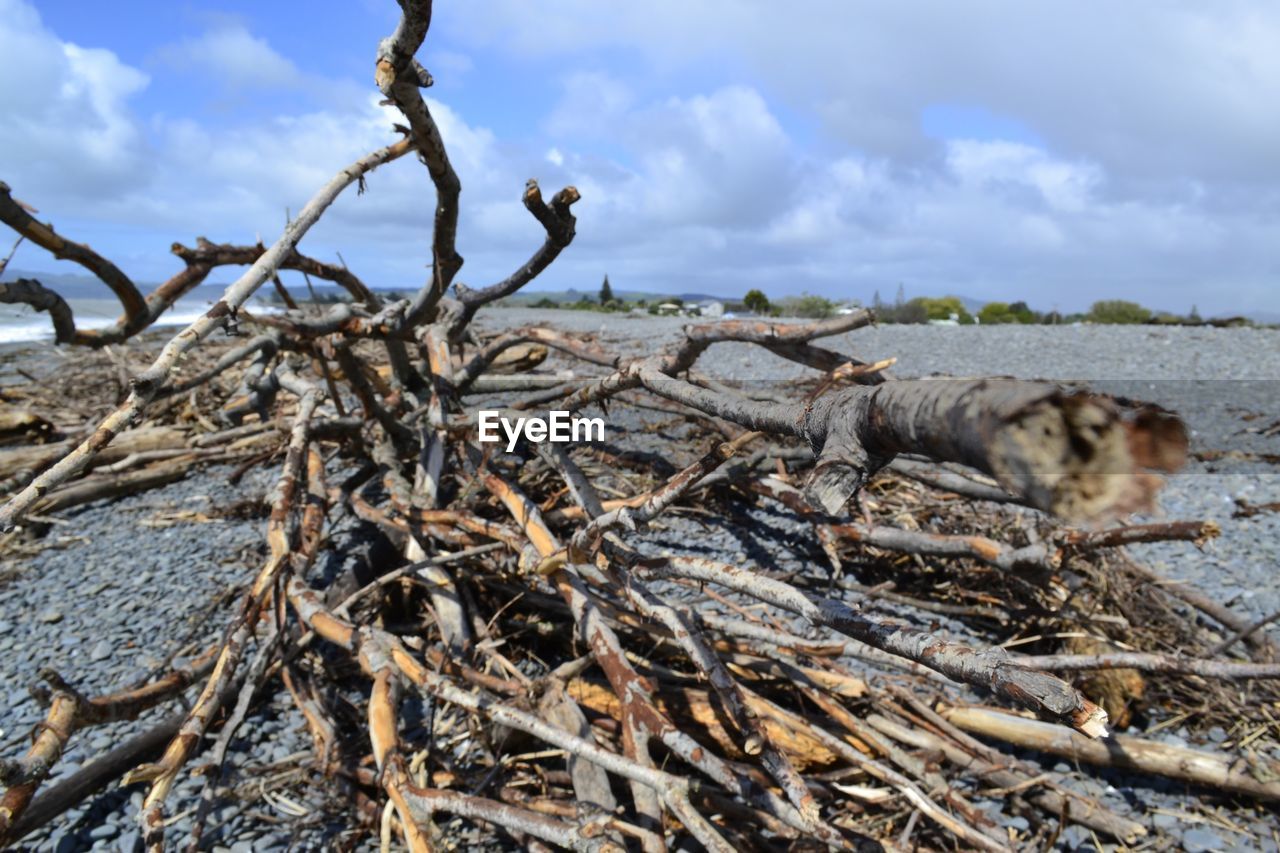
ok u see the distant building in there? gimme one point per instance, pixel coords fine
(712, 309)
(953, 320)
(668, 309)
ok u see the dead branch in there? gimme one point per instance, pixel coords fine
(400, 76)
(990, 668)
(1131, 753)
(14, 214)
(28, 291)
(53, 802)
(1052, 803)
(559, 223)
(147, 384)
(1230, 670)
(70, 711)
(1198, 532)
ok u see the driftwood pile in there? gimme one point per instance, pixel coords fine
(582, 690)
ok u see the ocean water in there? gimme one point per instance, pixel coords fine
(21, 324)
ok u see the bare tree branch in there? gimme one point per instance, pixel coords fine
(148, 383)
(15, 215)
(400, 77)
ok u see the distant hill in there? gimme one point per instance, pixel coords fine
(84, 286)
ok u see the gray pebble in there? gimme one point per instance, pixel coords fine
(1074, 836)
(103, 831)
(101, 651)
(51, 616)
(1200, 840)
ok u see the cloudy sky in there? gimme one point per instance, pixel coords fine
(1057, 152)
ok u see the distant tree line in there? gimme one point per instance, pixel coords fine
(924, 309)
(919, 310)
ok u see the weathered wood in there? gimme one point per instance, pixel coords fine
(95, 776)
(148, 383)
(36, 458)
(1074, 455)
(1054, 804)
(1215, 770)
(989, 668)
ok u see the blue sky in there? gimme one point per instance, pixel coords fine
(1053, 152)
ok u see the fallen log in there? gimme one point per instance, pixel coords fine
(34, 459)
(110, 485)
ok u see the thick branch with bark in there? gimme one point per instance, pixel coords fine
(28, 291)
(1077, 456)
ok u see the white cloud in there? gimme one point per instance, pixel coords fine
(717, 160)
(1063, 186)
(67, 123)
(1157, 175)
(591, 103)
(235, 58)
(1148, 90)
(72, 146)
